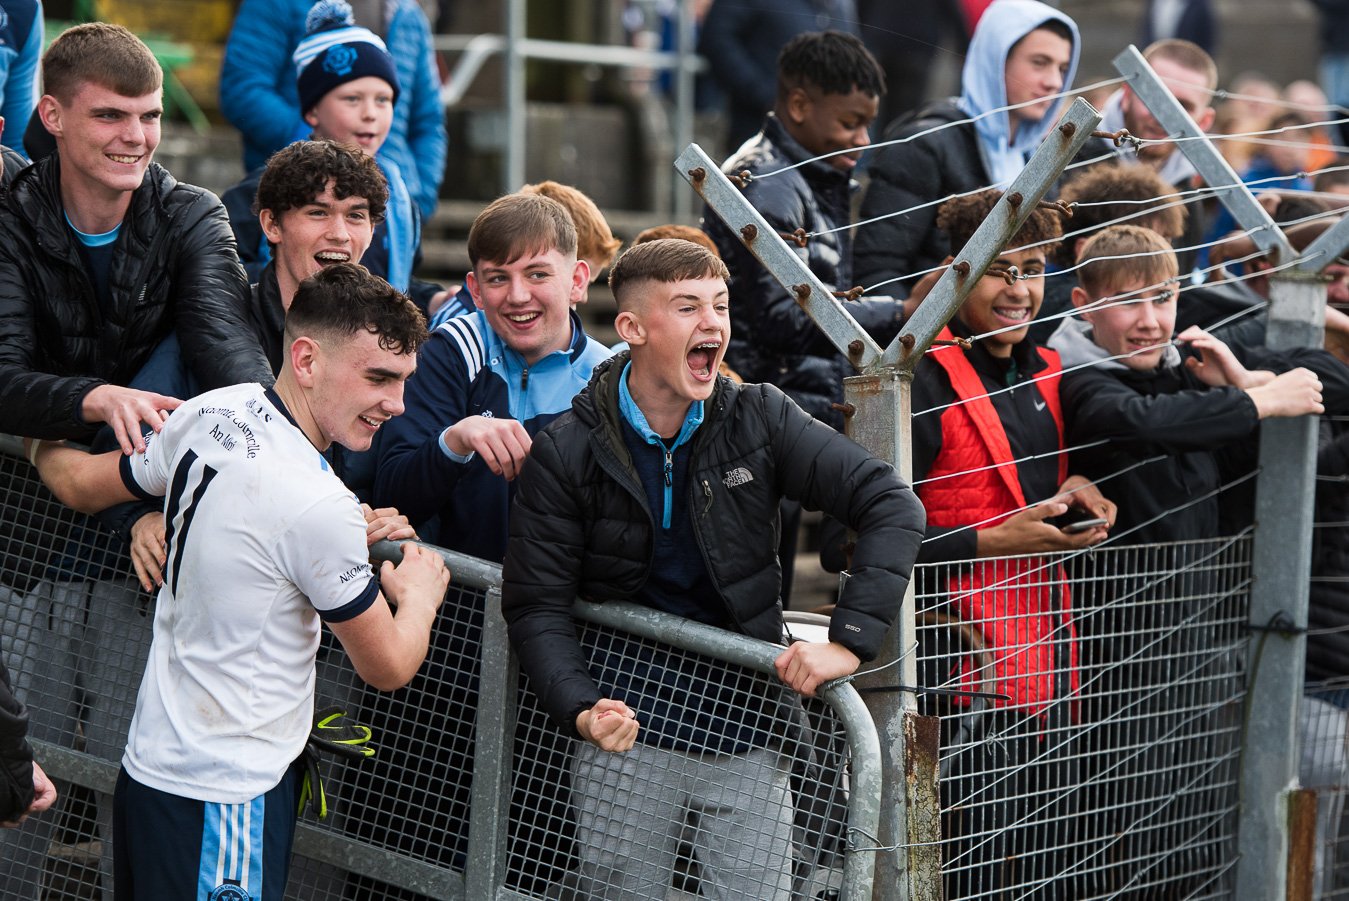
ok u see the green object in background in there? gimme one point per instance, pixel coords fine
(170, 54)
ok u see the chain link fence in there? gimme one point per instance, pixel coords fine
(1091, 736)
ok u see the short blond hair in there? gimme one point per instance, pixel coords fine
(1143, 256)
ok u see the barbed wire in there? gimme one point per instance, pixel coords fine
(1194, 195)
(1131, 297)
(1109, 82)
(1026, 459)
(1220, 94)
(1096, 362)
(1230, 136)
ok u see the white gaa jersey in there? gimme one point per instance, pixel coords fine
(263, 540)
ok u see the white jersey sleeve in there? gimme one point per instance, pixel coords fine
(324, 554)
(147, 475)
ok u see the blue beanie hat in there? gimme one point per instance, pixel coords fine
(336, 50)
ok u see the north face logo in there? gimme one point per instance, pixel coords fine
(738, 476)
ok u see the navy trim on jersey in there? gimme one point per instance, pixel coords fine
(207, 474)
(176, 486)
(464, 332)
(275, 400)
(129, 480)
(355, 607)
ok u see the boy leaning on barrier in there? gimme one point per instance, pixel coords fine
(1169, 420)
(661, 487)
(988, 458)
(1132, 384)
(265, 544)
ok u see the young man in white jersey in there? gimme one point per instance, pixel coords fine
(263, 543)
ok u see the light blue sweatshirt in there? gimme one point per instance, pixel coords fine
(984, 84)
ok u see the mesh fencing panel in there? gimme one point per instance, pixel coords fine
(76, 630)
(1323, 766)
(1093, 750)
(749, 785)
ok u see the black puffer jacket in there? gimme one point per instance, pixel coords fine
(16, 758)
(174, 268)
(772, 338)
(929, 168)
(580, 525)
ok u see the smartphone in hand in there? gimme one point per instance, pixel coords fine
(1076, 521)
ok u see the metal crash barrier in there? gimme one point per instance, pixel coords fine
(467, 795)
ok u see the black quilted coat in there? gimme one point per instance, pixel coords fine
(580, 525)
(174, 266)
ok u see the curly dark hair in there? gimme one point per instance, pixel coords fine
(299, 172)
(960, 217)
(344, 298)
(833, 62)
(1124, 190)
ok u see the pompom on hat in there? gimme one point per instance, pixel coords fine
(336, 50)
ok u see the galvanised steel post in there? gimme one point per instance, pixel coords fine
(498, 681)
(1281, 570)
(685, 86)
(1201, 153)
(513, 159)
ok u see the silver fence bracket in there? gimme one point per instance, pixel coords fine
(1020, 199)
(768, 247)
(1216, 172)
(1329, 245)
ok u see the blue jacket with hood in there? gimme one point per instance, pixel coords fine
(971, 148)
(259, 95)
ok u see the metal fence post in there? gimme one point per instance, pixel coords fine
(685, 94)
(513, 162)
(881, 420)
(1281, 568)
(485, 870)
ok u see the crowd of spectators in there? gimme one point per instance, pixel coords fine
(1095, 386)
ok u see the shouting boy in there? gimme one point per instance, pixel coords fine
(660, 487)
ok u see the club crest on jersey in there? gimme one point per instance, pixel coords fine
(229, 891)
(738, 476)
